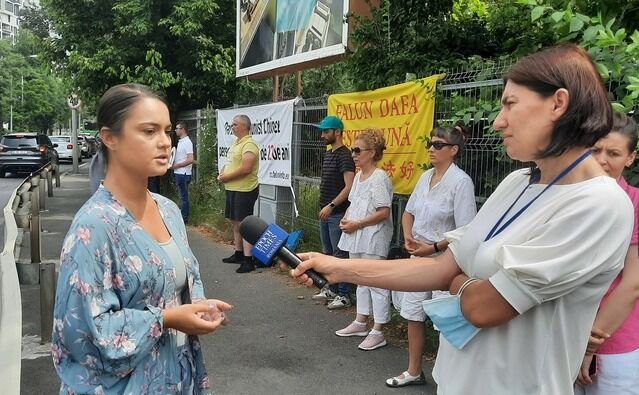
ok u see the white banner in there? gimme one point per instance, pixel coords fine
(272, 130)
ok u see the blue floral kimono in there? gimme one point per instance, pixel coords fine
(114, 281)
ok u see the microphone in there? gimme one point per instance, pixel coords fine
(268, 241)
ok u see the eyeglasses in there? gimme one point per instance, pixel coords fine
(438, 145)
(357, 150)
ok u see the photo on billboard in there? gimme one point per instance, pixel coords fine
(278, 33)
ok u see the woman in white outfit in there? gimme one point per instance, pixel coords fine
(527, 274)
(367, 229)
(443, 200)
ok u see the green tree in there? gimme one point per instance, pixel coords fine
(28, 87)
(12, 64)
(607, 31)
(183, 48)
(427, 37)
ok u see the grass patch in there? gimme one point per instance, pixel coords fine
(207, 200)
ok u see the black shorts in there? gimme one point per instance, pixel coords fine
(239, 205)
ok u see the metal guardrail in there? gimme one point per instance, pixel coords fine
(23, 210)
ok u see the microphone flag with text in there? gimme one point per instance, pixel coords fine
(268, 241)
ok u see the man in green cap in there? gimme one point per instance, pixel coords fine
(338, 171)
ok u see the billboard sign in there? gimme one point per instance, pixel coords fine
(272, 34)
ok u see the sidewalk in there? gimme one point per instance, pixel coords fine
(279, 341)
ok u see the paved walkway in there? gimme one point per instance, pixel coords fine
(279, 340)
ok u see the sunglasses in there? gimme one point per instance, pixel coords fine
(438, 145)
(357, 150)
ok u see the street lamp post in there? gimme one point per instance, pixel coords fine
(74, 104)
(11, 108)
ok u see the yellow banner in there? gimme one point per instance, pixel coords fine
(403, 112)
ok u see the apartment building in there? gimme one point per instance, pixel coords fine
(10, 17)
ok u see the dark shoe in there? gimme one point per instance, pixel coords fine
(237, 257)
(246, 266)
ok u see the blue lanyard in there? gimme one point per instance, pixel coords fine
(497, 230)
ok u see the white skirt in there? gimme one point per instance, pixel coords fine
(618, 375)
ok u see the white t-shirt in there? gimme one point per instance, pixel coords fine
(553, 264)
(365, 197)
(184, 148)
(450, 204)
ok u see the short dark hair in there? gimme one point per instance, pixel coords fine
(183, 125)
(245, 119)
(116, 103)
(589, 114)
(626, 126)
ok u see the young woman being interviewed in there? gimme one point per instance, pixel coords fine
(130, 300)
(527, 274)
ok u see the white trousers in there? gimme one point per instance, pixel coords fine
(372, 300)
(618, 375)
(410, 304)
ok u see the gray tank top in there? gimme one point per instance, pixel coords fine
(173, 251)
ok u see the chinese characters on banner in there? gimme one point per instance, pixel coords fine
(403, 112)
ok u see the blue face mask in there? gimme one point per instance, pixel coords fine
(447, 316)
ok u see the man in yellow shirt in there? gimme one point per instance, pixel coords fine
(239, 177)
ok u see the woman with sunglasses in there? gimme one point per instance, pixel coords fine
(614, 341)
(527, 274)
(443, 200)
(367, 229)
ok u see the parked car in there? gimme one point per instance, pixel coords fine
(84, 147)
(65, 148)
(93, 145)
(26, 153)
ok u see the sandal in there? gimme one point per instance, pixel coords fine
(399, 381)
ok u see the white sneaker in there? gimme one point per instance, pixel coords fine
(324, 295)
(373, 341)
(354, 329)
(340, 302)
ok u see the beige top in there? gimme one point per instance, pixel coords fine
(173, 251)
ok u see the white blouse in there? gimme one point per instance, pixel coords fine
(450, 204)
(365, 198)
(553, 264)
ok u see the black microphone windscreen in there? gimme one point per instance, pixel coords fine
(251, 228)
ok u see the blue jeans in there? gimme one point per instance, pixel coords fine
(330, 234)
(183, 181)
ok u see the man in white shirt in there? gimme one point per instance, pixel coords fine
(182, 166)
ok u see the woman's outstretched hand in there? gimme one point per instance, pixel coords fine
(328, 266)
(191, 318)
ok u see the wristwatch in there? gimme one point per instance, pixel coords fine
(332, 204)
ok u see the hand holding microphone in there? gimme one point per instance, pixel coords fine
(268, 241)
(328, 265)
